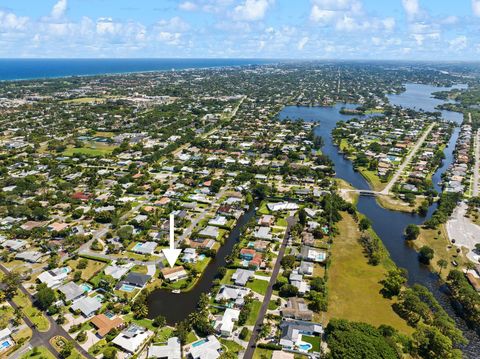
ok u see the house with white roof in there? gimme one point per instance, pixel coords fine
(189, 255)
(132, 338)
(55, 277)
(172, 350)
(224, 324)
(208, 348)
(88, 306)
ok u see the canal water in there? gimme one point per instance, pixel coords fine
(176, 307)
(390, 225)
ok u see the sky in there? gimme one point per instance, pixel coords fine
(297, 29)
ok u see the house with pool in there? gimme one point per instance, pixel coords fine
(6, 341)
(206, 348)
(300, 335)
(312, 254)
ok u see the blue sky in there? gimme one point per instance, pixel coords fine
(316, 29)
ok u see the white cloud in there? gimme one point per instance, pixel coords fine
(188, 6)
(252, 10)
(322, 15)
(389, 23)
(301, 44)
(458, 43)
(59, 9)
(411, 7)
(476, 7)
(10, 21)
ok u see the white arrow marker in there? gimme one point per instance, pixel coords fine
(171, 253)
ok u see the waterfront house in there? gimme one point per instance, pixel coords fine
(172, 350)
(189, 255)
(242, 276)
(232, 293)
(209, 232)
(174, 274)
(208, 348)
(224, 324)
(136, 279)
(247, 254)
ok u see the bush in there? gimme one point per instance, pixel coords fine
(244, 333)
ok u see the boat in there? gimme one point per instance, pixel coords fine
(176, 291)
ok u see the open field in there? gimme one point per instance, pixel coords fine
(353, 284)
(439, 242)
(35, 315)
(39, 353)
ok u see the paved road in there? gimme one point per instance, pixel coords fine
(43, 338)
(407, 160)
(268, 295)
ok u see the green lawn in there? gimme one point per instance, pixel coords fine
(38, 353)
(232, 346)
(315, 341)
(192, 337)
(353, 284)
(252, 318)
(228, 276)
(146, 323)
(260, 353)
(96, 152)
(164, 334)
(35, 315)
(257, 285)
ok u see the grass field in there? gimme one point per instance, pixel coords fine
(90, 149)
(93, 267)
(35, 315)
(38, 353)
(439, 243)
(259, 286)
(252, 318)
(353, 284)
(82, 100)
(260, 353)
(373, 179)
(231, 346)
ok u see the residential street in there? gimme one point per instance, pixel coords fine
(268, 295)
(407, 160)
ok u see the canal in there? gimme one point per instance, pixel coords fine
(176, 307)
(390, 225)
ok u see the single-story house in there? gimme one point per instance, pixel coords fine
(71, 291)
(174, 274)
(189, 255)
(241, 276)
(87, 306)
(263, 233)
(137, 279)
(172, 350)
(312, 254)
(219, 221)
(132, 338)
(55, 277)
(224, 324)
(292, 331)
(14, 245)
(30, 256)
(232, 293)
(208, 348)
(297, 309)
(144, 247)
(105, 324)
(210, 232)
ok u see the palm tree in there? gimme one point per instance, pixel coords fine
(442, 263)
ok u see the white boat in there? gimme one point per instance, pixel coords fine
(176, 291)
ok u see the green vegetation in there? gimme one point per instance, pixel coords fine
(35, 315)
(259, 286)
(354, 285)
(38, 353)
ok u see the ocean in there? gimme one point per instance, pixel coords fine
(27, 69)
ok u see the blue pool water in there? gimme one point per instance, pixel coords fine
(200, 342)
(201, 257)
(127, 288)
(86, 287)
(5, 344)
(305, 347)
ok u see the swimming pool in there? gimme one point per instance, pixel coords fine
(86, 287)
(304, 346)
(99, 297)
(201, 257)
(127, 288)
(5, 344)
(200, 342)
